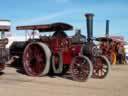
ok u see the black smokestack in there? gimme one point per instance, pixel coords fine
(89, 18)
(107, 28)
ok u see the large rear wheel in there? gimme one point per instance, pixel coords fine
(81, 68)
(36, 59)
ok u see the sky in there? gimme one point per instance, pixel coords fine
(29, 12)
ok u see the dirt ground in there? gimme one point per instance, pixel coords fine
(13, 83)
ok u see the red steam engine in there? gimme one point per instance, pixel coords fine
(60, 53)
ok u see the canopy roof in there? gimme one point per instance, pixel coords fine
(5, 25)
(104, 39)
(112, 38)
(47, 27)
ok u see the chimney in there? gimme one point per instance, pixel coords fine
(107, 28)
(89, 20)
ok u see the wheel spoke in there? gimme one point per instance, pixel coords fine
(34, 60)
(80, 68)
(101, 67)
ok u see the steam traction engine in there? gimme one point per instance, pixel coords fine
(60, 53)
(4, 27)
(110, 45)
(55, 53)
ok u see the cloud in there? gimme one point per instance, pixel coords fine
(47, 18)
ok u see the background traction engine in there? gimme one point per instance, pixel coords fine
(101, 64)
(4, 27)
(110, 46)
(55, 53)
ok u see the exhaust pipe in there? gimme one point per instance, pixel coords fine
(89, 20)
(107, 28)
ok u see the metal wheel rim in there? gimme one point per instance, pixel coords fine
(101, 67)
(35, 59)
(85, 69)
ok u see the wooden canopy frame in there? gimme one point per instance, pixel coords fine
(47, 27)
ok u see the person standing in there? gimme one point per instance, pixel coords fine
(120, 53)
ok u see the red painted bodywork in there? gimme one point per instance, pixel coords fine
(65, 46)
(59, 42)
